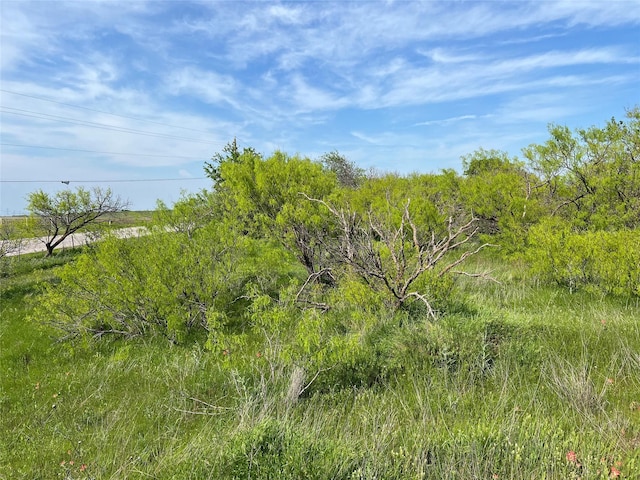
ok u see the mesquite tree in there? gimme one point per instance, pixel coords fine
(392, 254)
(66, 212)
(591, 177)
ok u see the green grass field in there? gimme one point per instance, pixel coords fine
(524, 382)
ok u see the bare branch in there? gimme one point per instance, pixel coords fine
(312, 278)
(483, 275)
(303, 389)
(432, 314)
(463, 257)
(393, 256)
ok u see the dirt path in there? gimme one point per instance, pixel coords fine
(34, 245)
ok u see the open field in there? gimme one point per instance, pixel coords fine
(521, 381)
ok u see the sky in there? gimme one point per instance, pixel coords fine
(137, 95)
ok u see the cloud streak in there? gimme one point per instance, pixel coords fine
(305, 77)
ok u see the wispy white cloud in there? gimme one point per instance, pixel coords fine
(286, 14)
(140, 126)
(366, 138)
(450, 120)
(442, 55)
(531, 38)
(208, 86)
(574, 13)
(309, 98)
(20, 34)
(307, 76)
(569, 58)
(417, 85)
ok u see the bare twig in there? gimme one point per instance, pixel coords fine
(483, 275)
(304, 389)
(463, 257)
(192, 412)
(432, 314)
(392, 255)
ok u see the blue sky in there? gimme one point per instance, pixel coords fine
(109, 92)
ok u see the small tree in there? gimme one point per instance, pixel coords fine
(347, 173)
(230, 154)
(10, 242)
(591, 177)
(503, 195)
(391, 255)
(67, 211)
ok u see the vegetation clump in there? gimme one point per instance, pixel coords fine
(306, 319)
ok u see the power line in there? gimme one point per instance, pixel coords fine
(96, 151)
(101, 111)
(103, 126)
(66, 182)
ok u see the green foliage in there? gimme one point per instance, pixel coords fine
(607, 262)
(393, 232)
(268, 191)
(484, 161)
(288, 199)
(266, 196)
(515, 386)
(332, 350)
(272, 449)
(501, 193)
(167, 283)
(347, 173)
(230, 154)
(305, 376)
(441, 292)
(592, 177)
(188, 214)
(384, 197)
(349, 352)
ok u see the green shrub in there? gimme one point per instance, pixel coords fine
(602, 261)
(167, 283)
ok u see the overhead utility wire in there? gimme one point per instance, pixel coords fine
(106, 181)
(95, 151)
(101, 111)
(103, 126)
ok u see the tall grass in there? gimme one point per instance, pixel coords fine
(524, 382)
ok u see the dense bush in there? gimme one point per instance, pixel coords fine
(603, 261)
(167, 283)
(591, 177)
(282, 248)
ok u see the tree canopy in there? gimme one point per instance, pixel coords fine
(67, 211)
(282, 239)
